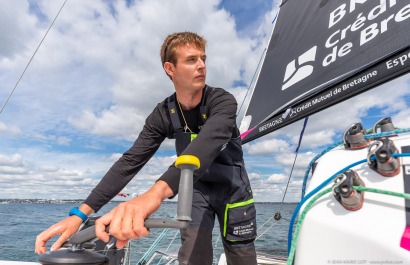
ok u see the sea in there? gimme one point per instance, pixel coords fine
(20, 223)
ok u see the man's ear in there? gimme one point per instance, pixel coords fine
(169, 68)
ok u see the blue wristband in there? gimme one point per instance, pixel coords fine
(77, 212)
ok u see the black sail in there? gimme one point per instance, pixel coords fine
(324, 51)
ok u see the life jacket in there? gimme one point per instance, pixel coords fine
(225, 184)
(227, 172)
(182, 138)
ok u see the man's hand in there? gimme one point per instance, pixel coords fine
(65, 229)
(126, 221)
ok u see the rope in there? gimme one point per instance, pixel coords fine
(320, 187)
(322, 193)
(147, 255)
(366, 136)
(276, 222)
(247, 91)
(153, 247)
(31, 59)
(287, 185)
(300, 221)
(169, 245)
(317, 189)
(385, 192)
(381, 134)
(175, 236)
(312, 162)
(294, 161)
(265, 223)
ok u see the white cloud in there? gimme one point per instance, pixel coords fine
(98, 74)
(111, 123)
(277, 178)
(272, 146)
(15, 160)
(9, 129)
(303, 159)
(315, 138)
(14, 35)
(402, 119)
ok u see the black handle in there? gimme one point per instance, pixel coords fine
(89, 233)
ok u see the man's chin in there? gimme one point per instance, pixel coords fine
(199, 84)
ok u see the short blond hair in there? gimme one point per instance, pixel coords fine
(171, 42)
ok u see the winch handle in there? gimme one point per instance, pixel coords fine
(187, 164)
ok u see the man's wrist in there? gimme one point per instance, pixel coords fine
(163, 189)
(77, 212)
(86, 209)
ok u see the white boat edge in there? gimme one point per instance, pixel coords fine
(261, 261)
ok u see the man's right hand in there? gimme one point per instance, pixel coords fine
(126, 221)
(65, 229)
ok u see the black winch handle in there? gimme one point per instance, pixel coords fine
(187, 164)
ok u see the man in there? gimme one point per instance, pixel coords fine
(201, 119)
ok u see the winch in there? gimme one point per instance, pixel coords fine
(380, 157)
(384, 124)
(77, 253)
(344, 192)
(353, 137)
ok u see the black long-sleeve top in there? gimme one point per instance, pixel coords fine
(217, 131)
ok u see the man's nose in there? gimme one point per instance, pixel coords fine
(201, 63)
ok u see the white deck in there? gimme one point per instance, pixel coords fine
(262, 260)
(331, 234)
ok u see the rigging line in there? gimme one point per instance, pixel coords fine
(267, 221)
(254, 74)
(266, 230)
(287, 185)
(169, 245)
(294, 162)
(31, 59)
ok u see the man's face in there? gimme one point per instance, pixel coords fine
(190, 71)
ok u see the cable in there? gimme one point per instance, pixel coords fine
(249, 87)
(31, 59)
(266, 229)
(300, 221)
(313, 161)
(287, 185)
(381, 134)
(324, 192)
(321, 186)
(366, 136)
(294, 161)
(313, 192)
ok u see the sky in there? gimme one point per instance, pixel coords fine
(84, 98)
